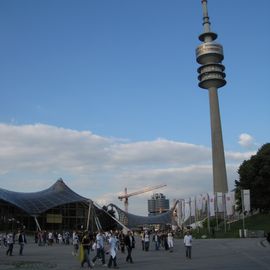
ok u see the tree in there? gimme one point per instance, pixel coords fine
(254, 174)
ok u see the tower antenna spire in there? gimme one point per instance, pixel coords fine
(207, 35)
(206, 21)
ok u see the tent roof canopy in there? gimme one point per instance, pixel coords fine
(35, 203)
(135, 220)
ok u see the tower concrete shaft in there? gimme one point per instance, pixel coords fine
(211, 76)
(218, 158)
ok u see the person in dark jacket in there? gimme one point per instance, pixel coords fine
(22, 241)
(268, 237)
(122, 242)
(86, 244)
(130, 243)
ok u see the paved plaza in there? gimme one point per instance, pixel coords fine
(218, 254)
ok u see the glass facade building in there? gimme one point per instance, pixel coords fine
(158, 204)
(56, 208)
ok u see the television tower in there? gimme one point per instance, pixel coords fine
(211, 76)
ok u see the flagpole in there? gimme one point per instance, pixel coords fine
(195, 206)
(189, 211)
(224, 211)
(216, 209)
(208, 213)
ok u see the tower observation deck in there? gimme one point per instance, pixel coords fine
(211, 76)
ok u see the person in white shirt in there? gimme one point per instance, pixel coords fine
(146, 241)
(50, 238)
(188, 244)
(170, 241)
(60, 238)
(113, 242)
(100, 239)
(75, 242)
(10, 242)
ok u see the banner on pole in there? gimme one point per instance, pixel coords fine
(220, 207)
(199, 202)
(187, 208)
(192, 207)
(204, 203)
(183, 206)
(246, 200)
(180, 213)
(211, 202)
(229, 203)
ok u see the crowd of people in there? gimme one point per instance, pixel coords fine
(49, 237)
(9, 239)
(112, 242)
(100, 245)
(161, 239)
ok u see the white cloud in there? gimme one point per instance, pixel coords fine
(246, 140)
(33, 157)
(238, 156)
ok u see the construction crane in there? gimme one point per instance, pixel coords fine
(127, 195)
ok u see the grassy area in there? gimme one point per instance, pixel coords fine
(258, 222)
(255, 222)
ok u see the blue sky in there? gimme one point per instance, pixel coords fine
(104, 94)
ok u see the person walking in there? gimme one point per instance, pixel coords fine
(142, 239)
(1, 237)
(156, 240)
(170, 241)
(75, 242)
(10, 243)
(50, 238)
(146, 241)
(100, 239)
(86, 245)
(165, 240)
(188, 244)
(268, 237)
(22, 241)
(121, 238)
(129, 242)
(113, 243)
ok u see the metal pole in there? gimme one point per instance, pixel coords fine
(216, 209)
(224, 211)
(196, 213)
(208, 213)
(38, 226)
(88, 216)
(189, 211)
